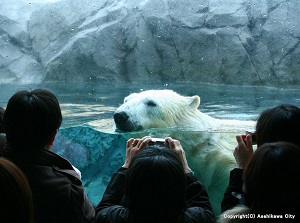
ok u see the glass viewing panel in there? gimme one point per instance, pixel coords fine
(239, 57)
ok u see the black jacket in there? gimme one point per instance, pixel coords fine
(111, 210)
(58, 192)
(233, 195)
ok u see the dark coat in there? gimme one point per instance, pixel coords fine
(111, 209)
(58, 192)
(233, 195)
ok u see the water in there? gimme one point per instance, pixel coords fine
(93, 104)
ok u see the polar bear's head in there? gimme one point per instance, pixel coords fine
(156, 109)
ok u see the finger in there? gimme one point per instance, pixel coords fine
(168, 139)
(129, 142)
(249, 142)
(144, 143)
(235, 150)
(140, 141)
(175, 145)
(244, 138)
(135, 142)
(145, 137)
(239, 139)
(171, 143)
(176, 142)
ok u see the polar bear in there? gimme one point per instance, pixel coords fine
(207, 141)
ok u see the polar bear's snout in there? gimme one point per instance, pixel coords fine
(120, 117)
(124, 123)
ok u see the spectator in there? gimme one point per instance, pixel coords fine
(31, 121)
(155, 184)
(16, 204)
(280, 123)
(271, 185)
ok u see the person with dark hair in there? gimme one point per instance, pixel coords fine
(2, 134)
(31, 121)
(271, 185)
(280, 123)
(155, 184)
(16, 204)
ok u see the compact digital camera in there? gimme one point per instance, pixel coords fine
(158, 141)
(253, 136)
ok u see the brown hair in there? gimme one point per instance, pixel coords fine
(16, 202)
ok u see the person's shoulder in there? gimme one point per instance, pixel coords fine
(42, 162)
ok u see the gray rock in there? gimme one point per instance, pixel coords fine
(242, 42)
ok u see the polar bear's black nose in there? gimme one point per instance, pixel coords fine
(124, 122)
(120, 117)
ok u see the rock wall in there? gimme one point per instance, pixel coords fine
(241, 42)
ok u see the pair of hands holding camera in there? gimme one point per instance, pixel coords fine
(134, 146)
(243, 151)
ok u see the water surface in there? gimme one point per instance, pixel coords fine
(94, 104)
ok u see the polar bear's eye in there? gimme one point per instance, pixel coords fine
(151, 103)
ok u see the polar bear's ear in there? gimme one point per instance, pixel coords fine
(194, 101)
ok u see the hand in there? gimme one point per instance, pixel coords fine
(133, 147)
(243, 151)
(176, 146)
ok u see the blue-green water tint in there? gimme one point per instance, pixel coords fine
(96, 154)
(98, 151)
(85, 102)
